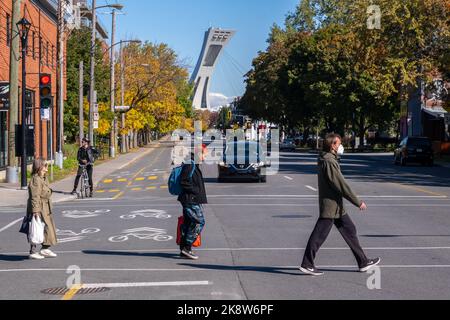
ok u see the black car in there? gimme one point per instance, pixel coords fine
(414, 149)
(243, 160)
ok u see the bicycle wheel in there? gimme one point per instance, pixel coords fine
(82, 188)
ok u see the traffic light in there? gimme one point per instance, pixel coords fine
(45, 90)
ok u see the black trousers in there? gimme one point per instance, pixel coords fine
(89, 170)
(322, 230)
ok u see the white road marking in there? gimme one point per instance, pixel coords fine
(281, 196)
(10, 225)
(289, 178)
(232, 268)
(242, 249)
(311, 188)
(146, 284)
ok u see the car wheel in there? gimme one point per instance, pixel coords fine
(263, 179)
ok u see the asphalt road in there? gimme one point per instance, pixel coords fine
(123, 241)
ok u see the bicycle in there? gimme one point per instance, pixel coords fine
(85, 187)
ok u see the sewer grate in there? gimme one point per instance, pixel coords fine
(63, 291)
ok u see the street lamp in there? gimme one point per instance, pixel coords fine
(24, 27)
(92, 82)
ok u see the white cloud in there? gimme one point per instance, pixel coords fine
(218, 100)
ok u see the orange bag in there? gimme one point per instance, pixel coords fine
(197, 242)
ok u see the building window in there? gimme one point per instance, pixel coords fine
(46, 53)
(8, 29)
(53, 56)
(33, 45)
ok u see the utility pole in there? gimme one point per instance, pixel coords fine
(112, 136)
(60, 122)
(81, 101)
(11, 170)
(92, 82)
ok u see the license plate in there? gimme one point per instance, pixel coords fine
(419, 150)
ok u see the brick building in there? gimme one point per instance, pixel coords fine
(41, 58)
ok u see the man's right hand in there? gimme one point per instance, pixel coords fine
(363, 206)
(84, 161)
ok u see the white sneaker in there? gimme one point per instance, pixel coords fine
(36, 256)
(48, 253)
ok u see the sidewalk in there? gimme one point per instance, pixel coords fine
(12, 196)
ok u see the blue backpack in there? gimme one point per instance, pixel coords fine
(175, 179)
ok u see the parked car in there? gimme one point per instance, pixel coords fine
(288, 144)
(248, 165)
(414, 149)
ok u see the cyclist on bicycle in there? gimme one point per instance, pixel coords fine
(86, 157)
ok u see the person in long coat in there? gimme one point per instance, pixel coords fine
(40, 204)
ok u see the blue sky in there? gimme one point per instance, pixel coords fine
(182, 23)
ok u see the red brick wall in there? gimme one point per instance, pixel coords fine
(41, 58)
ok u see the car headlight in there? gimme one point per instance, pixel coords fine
(223, 164)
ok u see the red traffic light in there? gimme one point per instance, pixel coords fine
(45, 80)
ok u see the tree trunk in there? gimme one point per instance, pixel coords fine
(362, 131)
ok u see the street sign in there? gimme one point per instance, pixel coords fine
(45, 114)
(95, 124)
(95, 108)
(96, 116)
(121, 108)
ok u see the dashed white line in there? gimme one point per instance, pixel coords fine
(289, 178)
(10, 225)
(311, 188)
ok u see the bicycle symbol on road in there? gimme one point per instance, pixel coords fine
(145, 233)
(79, 214)
(73, 236)
(148, 213)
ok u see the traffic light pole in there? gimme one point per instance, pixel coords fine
(60, 123)
(92, 82)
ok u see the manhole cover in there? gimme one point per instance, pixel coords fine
(63, 291)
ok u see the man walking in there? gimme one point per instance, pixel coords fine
(86, 158)
(192, 198)
(332, 189)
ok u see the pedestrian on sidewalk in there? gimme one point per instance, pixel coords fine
(40, 204)
(86, 158)
(332, 189)
(192, 198)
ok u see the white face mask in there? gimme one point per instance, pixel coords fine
(341, 150)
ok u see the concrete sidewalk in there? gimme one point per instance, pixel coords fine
(12, 196)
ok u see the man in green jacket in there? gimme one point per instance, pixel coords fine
(332, 189)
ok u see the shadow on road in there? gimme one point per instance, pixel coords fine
(135, 254)
(11, 258)
(244, 268)
(402, 235)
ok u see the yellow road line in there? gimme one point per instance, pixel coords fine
(136, 189)
(122, 180)
(117, 196)
(72, 292)
(151, 188)
(140, 179)
(100, 191)
(420, 190)
(113, 191)
(153, 178)
(107, 181)
(164, 187)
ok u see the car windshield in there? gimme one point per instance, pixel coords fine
(419, 142)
